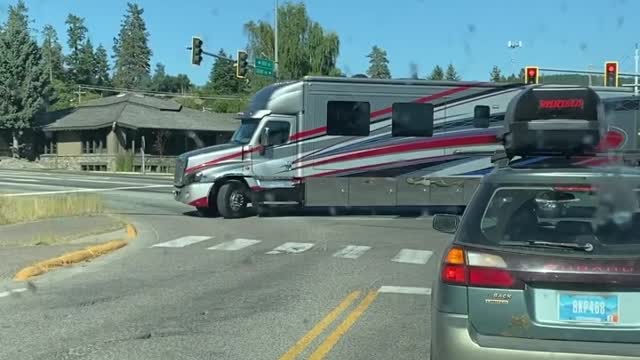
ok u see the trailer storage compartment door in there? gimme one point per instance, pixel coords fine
(400, 191)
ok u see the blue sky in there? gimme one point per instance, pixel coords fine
(472, 34)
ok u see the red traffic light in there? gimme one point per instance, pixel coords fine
(611, 67)
(532, 72)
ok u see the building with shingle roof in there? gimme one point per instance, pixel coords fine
(98, 134)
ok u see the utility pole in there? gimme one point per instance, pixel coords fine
(275, 40)
(590, 69)
(635, 83)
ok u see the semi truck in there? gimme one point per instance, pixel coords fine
(358, 142)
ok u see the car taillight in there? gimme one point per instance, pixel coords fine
(472, 268)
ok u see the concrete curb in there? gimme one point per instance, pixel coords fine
(76, 256)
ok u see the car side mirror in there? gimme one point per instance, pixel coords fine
(446, 223)
(481, 115)
(264, 140)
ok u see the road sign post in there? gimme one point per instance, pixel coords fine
(264, 67)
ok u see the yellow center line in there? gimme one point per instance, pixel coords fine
(342, 329)
(302, 344)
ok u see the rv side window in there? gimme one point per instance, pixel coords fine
(348, 118)
(412, 119)
(278, 132)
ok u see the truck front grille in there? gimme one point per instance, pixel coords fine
(179, 173)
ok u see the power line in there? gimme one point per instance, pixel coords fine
(156, 93)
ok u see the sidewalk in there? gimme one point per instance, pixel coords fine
(24, 244)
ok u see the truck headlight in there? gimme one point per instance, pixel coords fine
(193, 178)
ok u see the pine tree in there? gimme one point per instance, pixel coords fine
(222, 79)
(52, 53)
(101, 67)
(23, 76)
(131, 50)
(496, 75)
(437, 73)
(451, 73)
(76, 37)
(86, 70)
(378, 64)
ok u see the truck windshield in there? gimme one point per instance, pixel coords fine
(245, 131)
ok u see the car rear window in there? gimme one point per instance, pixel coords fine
(606, 217)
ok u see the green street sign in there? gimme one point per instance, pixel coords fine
(264, 67)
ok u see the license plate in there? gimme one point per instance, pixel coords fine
(589, 308)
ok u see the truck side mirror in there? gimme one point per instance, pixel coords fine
(481, 115)
(264, 140)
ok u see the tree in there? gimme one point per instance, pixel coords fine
(159, 78)
(181, 83)
(304, 46)
(378, 64)
(101, 67)
(23, 75)
(496, 75)
(222, 78)
(437, 73)
(167, 83)
(86, 67)
(131, 50)
(52, 53)
(451, 73)
(76, 37)
(514, 78)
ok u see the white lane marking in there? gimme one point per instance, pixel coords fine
(405, 290)
(411, 256)
(12, 291)
(27, 184)
(291, 248)
(19, 179)
(360, 218)
(79, 190)
(183, 241)
(63, 178)
(352, 252)
(235, 244)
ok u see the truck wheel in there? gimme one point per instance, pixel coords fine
(232, 200)
(207, 212)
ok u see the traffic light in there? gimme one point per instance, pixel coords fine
(196, 50)
(531, 75)
(242, 68)
(611, 73)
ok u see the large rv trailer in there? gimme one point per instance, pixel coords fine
(357, 142)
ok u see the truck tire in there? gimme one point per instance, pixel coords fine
(232, 200)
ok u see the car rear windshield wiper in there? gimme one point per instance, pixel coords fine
(588, 247)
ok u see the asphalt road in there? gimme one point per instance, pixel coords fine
(290, 287)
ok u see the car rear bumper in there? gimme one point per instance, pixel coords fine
(195, 194)
(451, 340)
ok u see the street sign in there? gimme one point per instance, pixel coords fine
(264, 67)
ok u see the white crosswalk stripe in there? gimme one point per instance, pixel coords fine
(234, 245)
(410, 256)
(183, 241)
(352, 251)
(291, 248)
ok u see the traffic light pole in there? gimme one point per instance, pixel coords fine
(219, 57)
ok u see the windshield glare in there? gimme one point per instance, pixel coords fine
(245, 131)
(577, 214)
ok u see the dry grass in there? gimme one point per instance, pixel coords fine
(21, 209)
